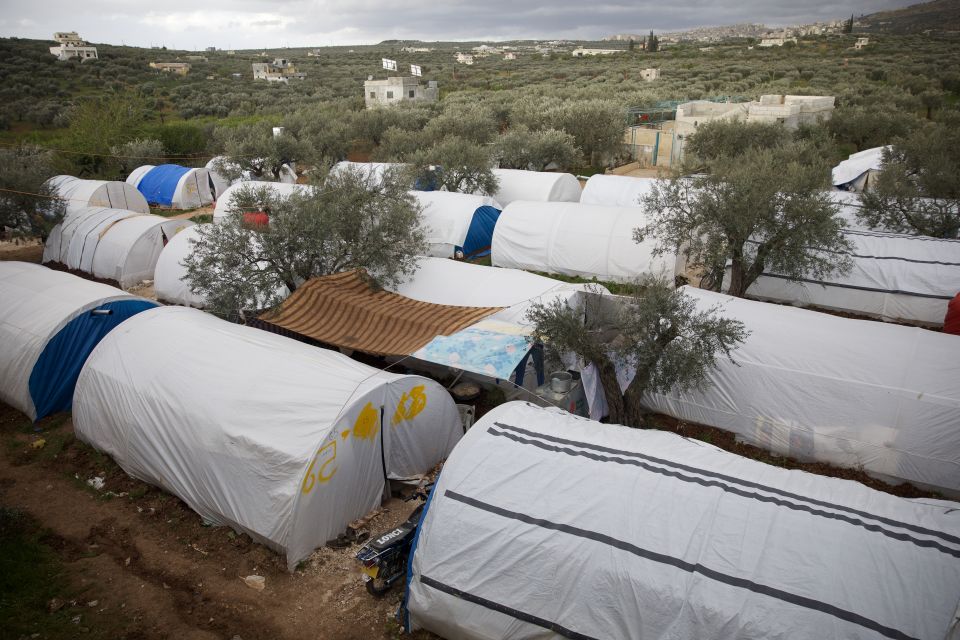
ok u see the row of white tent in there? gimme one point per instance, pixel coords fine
(806, 384)
(894, 276)
(611, 517)
(290, 445)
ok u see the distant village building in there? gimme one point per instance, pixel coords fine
(483, 50)
(580, 52)
(196, 58)
(861, 43)
(179, 68)
(280, 70)
(509, 55)
(398, 89)
(650, 74)
(776, 42)
(315, 53)
(71, 45)
(791, 111)
(211, 49)
(464, 58)
(416, 49)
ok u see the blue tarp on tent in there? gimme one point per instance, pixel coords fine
(160, 183)
(480, 234)
(55, 373)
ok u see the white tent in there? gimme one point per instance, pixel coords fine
(169, 277)
(98, 193)
(49, 322)
(894, 277)
(616, 191)
(848, 205)
(463, 284)
(173, 185)
(137, 174)
(537, 186)
(112, 244)
(855, 393)
(576, 239)
(448, 218)
(546, 525)
(170, 281)
(855, 173)
(218, 181)
(283, 441)
(225, 202)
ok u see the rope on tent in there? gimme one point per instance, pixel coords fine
(44, 195)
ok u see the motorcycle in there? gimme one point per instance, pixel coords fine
(384, 558)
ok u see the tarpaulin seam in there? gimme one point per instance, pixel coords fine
(496, 606)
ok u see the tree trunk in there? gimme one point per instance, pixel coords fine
(611, 391)
(633, 410)
(736, 287)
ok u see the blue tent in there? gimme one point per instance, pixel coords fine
(159, 185)
(50, 321)
(480, 234)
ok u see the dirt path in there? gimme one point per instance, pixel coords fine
(151, 565)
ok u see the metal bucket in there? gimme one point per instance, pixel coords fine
(560, 381)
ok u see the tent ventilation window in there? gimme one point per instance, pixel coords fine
(101, 312)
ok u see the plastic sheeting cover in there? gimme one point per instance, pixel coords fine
(172, 185)
(544, 525)
(37, 304)
(853, 393)
(858, 164)
(448, 219)
(893, 277)
(265, 434)
(616, 191)
(537, 186)
(98, 193)
(460, 283)
(576, 239)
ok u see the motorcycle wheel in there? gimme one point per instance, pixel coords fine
(377, 588)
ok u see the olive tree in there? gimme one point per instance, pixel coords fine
(658, 332)
(254, 150)
(765, 209)
(918, 189)
(137, 152)
(28, 206)
(453, 164)
(345, 222)
(521, 148)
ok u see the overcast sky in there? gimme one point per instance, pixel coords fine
(249, 24)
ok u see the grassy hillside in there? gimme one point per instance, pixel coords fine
(936, 16)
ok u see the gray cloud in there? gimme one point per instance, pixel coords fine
(243, 24)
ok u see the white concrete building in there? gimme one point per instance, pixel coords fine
(509, 55)
(861, 43)
(398, 89)
(791, 111)
(580, 52)
(650, 74)
(775, 42)
(280, 70)
(464, 58)
(71, 45)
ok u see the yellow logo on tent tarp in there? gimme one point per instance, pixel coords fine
(411, 404)
(328, 453)
(367, 423)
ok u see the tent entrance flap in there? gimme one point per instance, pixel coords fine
(55, 374)
(480, 234)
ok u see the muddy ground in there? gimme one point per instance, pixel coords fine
(151, 569)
